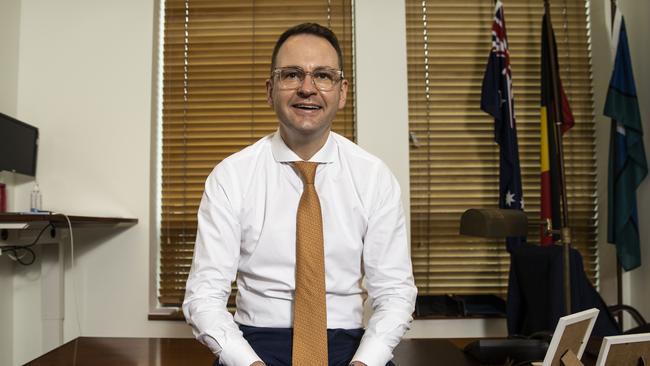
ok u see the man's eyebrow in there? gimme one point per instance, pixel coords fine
(302, 68)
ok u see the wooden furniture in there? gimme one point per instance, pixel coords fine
(95, 351)
(185, 351)
(22, 229)
(15, 220)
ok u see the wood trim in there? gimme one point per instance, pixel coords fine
(57, 218)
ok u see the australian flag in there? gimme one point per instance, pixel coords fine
(497, 101)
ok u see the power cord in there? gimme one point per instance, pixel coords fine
(72, 269)
(15, 250)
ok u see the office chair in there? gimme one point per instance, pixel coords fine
(536, 296)
(641, 325)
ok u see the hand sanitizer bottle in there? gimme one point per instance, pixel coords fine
(36, 199)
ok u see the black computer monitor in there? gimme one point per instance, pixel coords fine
(18, 146)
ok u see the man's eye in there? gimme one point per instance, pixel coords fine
(291, 75)
(323, 75)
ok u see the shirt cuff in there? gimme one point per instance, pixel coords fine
(372, 352)
(238, 353)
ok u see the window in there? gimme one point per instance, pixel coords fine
(216, 59)
(454, 165)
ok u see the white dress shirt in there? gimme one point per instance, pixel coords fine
(247, 231)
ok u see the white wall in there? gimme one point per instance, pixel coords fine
(85, 80)
(382, 102)
(9, 26)
(6, 311)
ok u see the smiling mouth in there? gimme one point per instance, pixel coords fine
(307, 107)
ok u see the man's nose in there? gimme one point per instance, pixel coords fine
(307, 86)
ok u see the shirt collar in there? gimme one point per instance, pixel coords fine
(283, 154)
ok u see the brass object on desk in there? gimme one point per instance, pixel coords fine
(493, 223)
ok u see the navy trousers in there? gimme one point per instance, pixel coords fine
(273, 345)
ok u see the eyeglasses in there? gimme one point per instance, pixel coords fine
(324, 79)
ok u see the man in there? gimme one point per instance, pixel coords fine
(299, 278)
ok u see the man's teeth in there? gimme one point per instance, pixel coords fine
(304, 106)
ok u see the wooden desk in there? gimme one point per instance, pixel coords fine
(185, 351)
(16, 220)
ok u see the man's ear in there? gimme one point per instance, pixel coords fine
(344, 93)
(269, 92)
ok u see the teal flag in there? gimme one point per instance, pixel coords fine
(627, 160)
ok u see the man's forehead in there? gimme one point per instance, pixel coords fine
(307, 48)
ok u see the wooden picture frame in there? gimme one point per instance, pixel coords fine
(570, 338)
(625, 350)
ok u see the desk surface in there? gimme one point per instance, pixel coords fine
(184, 351)
(15, 217)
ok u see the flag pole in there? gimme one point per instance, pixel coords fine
(565, 233)
(619, 269)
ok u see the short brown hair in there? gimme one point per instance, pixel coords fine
(308, 28)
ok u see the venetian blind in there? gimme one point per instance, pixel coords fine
(454, 159)
(217, 56)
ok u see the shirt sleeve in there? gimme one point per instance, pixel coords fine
(214, 268)
(388, 276)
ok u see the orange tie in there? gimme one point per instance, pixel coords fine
(309, 311)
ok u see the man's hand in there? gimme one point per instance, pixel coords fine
(258, 363)
(357, 363)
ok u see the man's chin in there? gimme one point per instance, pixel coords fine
(306, 129)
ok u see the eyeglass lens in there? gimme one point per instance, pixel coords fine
(323, 79)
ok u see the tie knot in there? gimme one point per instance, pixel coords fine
(307, 170)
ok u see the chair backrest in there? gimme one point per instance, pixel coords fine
(536, 294)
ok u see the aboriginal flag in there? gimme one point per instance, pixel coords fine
(554, 110)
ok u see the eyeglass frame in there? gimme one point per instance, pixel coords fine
(340, 74)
